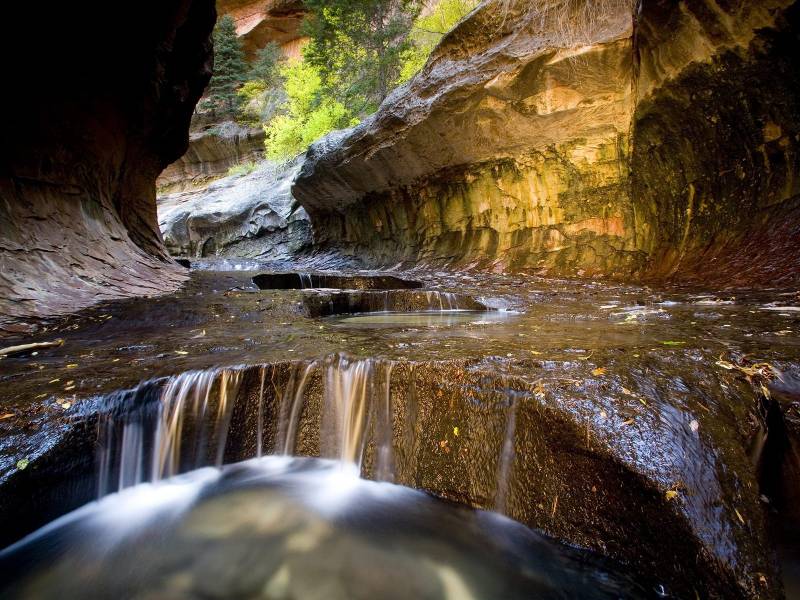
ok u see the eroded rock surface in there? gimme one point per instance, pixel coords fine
(264, 21)
(84, 144)
(212, 151)
(581, 138)
(242, 216)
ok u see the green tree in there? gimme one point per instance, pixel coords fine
(357, 47)
(266, 65)
(427, 32)
(308, 113)
(229, 66)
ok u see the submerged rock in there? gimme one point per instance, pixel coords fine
(650, 139)
(242, 216)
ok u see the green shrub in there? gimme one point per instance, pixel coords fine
(308, 113)
(428, 31)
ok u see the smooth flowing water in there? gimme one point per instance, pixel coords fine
(286, 528)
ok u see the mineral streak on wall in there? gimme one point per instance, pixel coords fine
(580, 138)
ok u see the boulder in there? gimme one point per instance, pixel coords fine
(243, 216)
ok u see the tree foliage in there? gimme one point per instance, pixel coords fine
(230, 67)
(357, 47)
(427, 32)
(266, 65)
(309, 114)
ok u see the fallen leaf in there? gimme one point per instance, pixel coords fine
(455, 431)
(628, 422)
(69, 388)
(672, 343)
(738, 514)
(181, 352)
(72, 365)
(6, 416)
(22, 463)
(671, 494)
(54, 380)
(599, 371)
(65, 405)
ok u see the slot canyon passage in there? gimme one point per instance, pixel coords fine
(508, 309)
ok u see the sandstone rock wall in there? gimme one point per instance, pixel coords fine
(579, 137)
(264, 21)
(210, 154)
(102, 98)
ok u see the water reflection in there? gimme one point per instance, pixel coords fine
(440, 318)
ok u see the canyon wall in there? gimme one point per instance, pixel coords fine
(259, 23)
(580, 138)
(102, 98)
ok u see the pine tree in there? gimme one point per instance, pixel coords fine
(230, 68)
(266, 65)
(357, 46)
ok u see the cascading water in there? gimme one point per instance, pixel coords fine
(185, 422)
(159, 439)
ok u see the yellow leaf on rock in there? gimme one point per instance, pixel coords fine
(455, 431)
(671, 494)
(599, 371)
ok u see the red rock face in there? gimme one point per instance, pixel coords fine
(101, 103)
(259, 23)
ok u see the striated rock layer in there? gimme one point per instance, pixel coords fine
(83, 146)
(211, 153)
(243, 216)
(265, 21)
(580, 138)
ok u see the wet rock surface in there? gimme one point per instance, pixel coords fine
(613, 417)
(243, 216)
(78, 168)
(298, 281)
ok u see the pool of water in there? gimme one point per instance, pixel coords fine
(428, 318)
(279, 527)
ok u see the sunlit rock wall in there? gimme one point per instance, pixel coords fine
(211, 153)
(261, 22)
(578, 137)
(99, 101)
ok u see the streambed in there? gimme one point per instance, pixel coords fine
(604, 415)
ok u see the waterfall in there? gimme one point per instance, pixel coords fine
(157, 439)
(305, 281)
(349, 386)
(165, 427)
(292, 406)
(507, 454)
